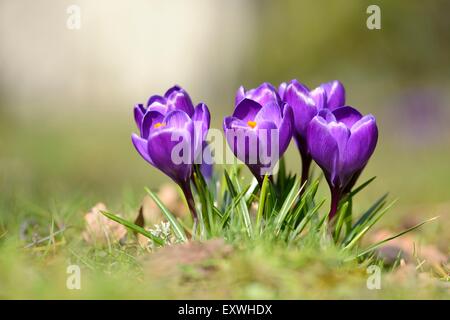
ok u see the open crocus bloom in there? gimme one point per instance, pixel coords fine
(305, 105)
(341, 143)
(162, 137)
(260, 129)
(172, 132)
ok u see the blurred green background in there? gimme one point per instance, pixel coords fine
(66, 96)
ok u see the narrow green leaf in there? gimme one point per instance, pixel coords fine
(177, 228)
(251, 189)
(235, 189)
(370, 224)
(366, 217)
(217, 212)
(234, 204)
(133, 227)
(306, 200)
(230, 185)
(359, 188)
(262, 200)
(206, 201)
(287, 205)
(378, 244)
(305, 220)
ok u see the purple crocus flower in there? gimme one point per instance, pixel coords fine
(341, 142)
(260, 129)
(172, 134)
(306, 104)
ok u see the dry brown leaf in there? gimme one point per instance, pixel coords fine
(142, 240)
(140, 221)
(101, 230)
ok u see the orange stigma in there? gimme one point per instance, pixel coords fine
(251, 124)
(159, 124)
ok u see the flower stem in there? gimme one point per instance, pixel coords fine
(186, 188)
(335, 198)
(306, 164)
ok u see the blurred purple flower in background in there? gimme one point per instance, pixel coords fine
(341, 142)
(419, 117)
(306, 104)
(172, 135)
(260, 129)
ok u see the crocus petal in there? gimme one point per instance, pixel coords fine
(240, 95)
(141, 147)
(246, 110)
(271, 111)
(206, 161)
(180, 100)
(264, 94)
(235, 124)
(347, 115)
(202, 115)
(286, 129)
(175, 88)
(327, 115)
(319, 96)
(241, 139)
(156, 99)
(335, 94)
(361, 144)
(299, 86)
(161, 150)
(341, 134)
(367, 118)
(302, 104)
(139, 115)
(148, 123)
(267, 148)
(282, 90)
(177, 119)
(201, 119)
(323, 147)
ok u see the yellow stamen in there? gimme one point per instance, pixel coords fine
(251, 124)
(159, 124)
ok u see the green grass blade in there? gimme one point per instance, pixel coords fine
(369, 225)
(234, 204)
(305, 220)
(133, 227)
(359, 188)
(206, 201)
(262, 200)
(287, 205)
(378, 244)
(235, 189)
(177, 228)
(365, 218)
(251, 190)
